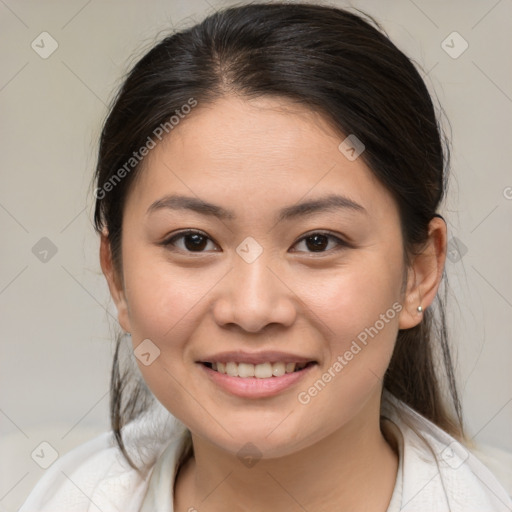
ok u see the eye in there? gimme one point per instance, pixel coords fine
(196, 241)
(319, 242)
(193, 241)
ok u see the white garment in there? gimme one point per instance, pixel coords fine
(94, 477)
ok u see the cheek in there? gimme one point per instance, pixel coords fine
(359, 320)
(165, 303)
(357, 309)
(350, 298)
(163, 298)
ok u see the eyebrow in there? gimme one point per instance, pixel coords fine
(322, 204)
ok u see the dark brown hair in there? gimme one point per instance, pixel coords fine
(334, 62)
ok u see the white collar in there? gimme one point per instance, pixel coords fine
(440, 476)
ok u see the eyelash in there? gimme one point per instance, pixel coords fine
(339, 242)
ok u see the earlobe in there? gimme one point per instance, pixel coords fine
(410, 316)
(114, 282)
(424, 275)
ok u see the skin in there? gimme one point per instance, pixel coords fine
(255, 157)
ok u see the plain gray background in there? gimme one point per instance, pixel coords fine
(56, 316)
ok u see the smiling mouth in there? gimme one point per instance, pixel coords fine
(259, 371)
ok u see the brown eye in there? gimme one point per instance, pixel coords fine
(195, 242)
(192, 241)
(319, 242)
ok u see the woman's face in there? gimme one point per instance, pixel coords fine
(319, 283)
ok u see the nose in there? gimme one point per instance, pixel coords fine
(253, 295)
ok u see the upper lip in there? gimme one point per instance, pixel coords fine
(239, 356)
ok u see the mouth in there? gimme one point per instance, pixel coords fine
(265, 370)
(256, 380)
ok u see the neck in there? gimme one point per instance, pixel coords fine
(353, 468)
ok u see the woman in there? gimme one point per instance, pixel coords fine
(267, 192)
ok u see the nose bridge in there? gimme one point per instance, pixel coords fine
(255, 282)
(255, 295)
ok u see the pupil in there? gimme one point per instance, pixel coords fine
(320, 242)
(199, 242)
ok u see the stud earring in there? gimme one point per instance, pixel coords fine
(420, 309)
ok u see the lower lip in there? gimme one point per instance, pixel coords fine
(252, 387)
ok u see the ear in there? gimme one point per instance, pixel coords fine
(114, 281)
(424, 275)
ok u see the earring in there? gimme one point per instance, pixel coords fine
(420, 309)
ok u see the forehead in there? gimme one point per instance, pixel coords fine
(256, 153)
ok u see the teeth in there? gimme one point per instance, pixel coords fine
(260, 371)
(246, 370)
(279, 369)
(232, 369)
(290, 367)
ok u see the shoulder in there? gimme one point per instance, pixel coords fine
(439, 473)
(96, 477)
(89, 477)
